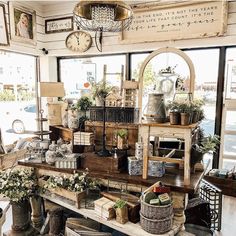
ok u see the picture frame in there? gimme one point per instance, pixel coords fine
(22, 24)
(4, 38)
(58, 25)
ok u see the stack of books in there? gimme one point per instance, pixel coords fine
(104, 208)
(83, 138)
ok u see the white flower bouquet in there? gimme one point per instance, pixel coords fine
(18, 185)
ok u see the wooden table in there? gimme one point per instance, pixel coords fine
(173, 178)
(165, 130)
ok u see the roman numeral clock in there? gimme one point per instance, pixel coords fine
(78, 41)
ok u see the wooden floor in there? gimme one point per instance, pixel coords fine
(228, 218)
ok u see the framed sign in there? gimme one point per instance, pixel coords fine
(22, 24)
(175, 21)
(4, 40)
(59, 25)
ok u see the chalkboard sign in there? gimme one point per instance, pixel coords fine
(59, 25)
(177, 21)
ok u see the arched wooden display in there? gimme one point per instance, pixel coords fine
(152, 55)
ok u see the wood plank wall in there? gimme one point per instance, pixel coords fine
(27, 48)
(111, 44)
(55, 43)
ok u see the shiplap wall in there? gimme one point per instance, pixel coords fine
(23, 47)
(55, 43)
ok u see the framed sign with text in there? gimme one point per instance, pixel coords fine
(59, 25)
(177, 21)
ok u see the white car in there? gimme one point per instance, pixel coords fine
(20, 117)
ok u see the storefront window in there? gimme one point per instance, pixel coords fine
(17, 96)
(78, 73)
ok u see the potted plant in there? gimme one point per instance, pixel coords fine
(121, 211)
(205, 144)
(100, 91)
(185, 113)
(18, 186)
(122, 136)
(196, 109)
(174, 113)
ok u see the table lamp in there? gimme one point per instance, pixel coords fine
(47, 89)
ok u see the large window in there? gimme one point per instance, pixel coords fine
(17, 96)
(206, 69)
(78, 73)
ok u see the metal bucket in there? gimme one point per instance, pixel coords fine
(156, 111)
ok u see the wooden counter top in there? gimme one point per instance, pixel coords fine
(173, 178)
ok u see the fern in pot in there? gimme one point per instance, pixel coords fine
(100, 91)
(174, 112)
(205, 144)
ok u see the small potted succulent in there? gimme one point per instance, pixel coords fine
(121, 211)
(122, 136)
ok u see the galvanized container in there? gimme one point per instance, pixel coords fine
(156, 111)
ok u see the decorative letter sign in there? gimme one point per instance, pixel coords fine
(177, 21)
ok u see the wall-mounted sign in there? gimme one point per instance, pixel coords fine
(177, 21)
(59, 25)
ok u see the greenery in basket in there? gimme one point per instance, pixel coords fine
(17, 184)
(167, 70)
(119, 204)
(75, 183)
(101, 89)
(84, 103)
(123, 133)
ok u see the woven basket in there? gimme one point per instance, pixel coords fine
(155, 212)
(156, 226)
(10, 159)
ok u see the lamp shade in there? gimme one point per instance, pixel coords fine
(51, 89)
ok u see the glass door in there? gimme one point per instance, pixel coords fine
(228, 132)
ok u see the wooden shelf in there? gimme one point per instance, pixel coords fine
(166, 159)
(129, 228)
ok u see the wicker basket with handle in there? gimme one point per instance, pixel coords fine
(156, 226)
(155, 219)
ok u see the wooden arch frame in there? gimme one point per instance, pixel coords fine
(152, 55)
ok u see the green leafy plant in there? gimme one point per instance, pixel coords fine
(84, 103)
(119, 204)
(173, 106)
(197, 104)
(18, 185)
(101, 89)
(123, 133)
(185, 107)
(209, 143)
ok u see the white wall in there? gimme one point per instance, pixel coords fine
(22, 47)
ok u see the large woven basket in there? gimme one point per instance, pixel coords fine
(156, 226)
(155, 212)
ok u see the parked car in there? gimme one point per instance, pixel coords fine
(22, 119)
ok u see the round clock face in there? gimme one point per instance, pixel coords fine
(78, 41)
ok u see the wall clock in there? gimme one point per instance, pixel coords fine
(79, 41)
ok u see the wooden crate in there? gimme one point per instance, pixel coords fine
(76, 197)
(94, 162)
(227, 186)
(111, 128)
(10, 159)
